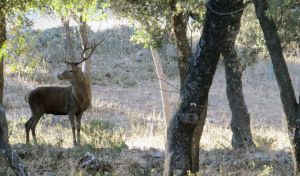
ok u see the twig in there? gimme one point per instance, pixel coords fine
(226, 13)
(169, 91)
(169, 84)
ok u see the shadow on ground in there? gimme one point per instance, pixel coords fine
(52, 160)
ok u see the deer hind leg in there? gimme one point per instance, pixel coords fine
(78, 126)
(72, 121)
(27, 128)
(35, 121)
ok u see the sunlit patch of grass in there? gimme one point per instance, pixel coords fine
(146, 130)
(96, 134)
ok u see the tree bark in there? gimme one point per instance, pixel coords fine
(273, 43)
(7, 152)
(179, 23)
(69, 45)
(287, 94)
(184, 50)
(2, 40)
(162, 84)
(240, 122)
(83, 33)
(196, 139)
(194, 93)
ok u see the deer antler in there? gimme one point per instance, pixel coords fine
(85, 49)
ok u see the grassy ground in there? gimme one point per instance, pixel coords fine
(124, 127)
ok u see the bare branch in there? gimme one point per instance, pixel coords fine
(85, 49)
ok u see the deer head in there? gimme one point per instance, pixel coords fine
(74, 73)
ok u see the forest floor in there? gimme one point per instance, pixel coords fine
(124, 128)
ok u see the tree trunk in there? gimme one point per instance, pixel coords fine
(194, 93)
(162, 84)
(6, 152)
(287, 94)
(184, 50)
(196, 139)
(83, 33)
(9, 155)
(2, 40)
(69, 46)
(273, 43)
(240, 123)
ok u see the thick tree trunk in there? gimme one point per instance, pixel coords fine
(2, 40)
(69, 46)
(83, 33)
(240, 123)
(180, 21)
(162, 84)
(194, 93)
(9, 155)
(287, 94)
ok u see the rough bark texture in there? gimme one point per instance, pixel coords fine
(162, 84)
(273, 43)
(287, 94)
(240, 122)
(297, 145)
(184, 50)
(83, 33)
(9, 155)
(179, 23)
(68, 39)
(194, 93)
(196, 139)
(2, 40)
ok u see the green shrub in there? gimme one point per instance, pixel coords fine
(101, 134)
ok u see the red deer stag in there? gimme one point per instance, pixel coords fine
(72, 100)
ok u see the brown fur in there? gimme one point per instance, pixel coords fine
(72, 101)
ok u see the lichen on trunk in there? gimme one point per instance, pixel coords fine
(194, 93)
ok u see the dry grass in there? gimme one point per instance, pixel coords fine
(124, 126)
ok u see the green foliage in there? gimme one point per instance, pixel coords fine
(21, 53)
(100, 134)
(251, 40)
(153, 17)
(286, 13)
(88, 9)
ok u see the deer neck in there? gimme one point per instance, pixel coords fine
(81, 90)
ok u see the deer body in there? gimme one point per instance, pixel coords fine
(58, 104)
(72, 101)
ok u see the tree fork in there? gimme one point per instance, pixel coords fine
(194, 94)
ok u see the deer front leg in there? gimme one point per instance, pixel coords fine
(78, 124)
(72, 121)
